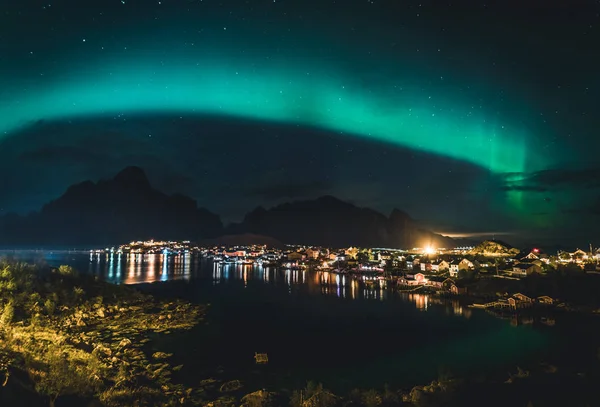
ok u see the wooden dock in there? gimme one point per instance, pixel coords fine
(494, 304)
(511, 304)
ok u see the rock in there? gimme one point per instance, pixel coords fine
(260, 398)
(100, 312)
(161, 355)
(124, 343)
(231, 386)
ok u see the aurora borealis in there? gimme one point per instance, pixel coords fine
(412, 77)
(285, 95)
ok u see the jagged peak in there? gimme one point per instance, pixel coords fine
(134, 176)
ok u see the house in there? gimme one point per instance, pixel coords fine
(440, 266)
(453, 269)
(408, 280)
(533, 255)
(436, 281)
(579, 255)
(340, 257)
(458, 289)
(312, 253)
(295, 256)
(447, 284)
(465, 264)
(420, 278)
(525, 269)
(523, 298)
(520, 301)
(413, 279)
(234, 253)
(426, 266)
(544, 299)
(385, 256)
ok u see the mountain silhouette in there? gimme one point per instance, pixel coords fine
(127, 208)
(328, 221)
(114, 211)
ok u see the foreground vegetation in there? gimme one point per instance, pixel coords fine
(70, 340)
(63, 334)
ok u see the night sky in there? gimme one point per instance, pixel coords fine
(474, 117)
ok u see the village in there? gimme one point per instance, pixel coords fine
(491, 275)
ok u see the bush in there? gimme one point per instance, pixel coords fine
(371, 398)
(78, 292)
(8, 314)
(66, 271)
(49, 306)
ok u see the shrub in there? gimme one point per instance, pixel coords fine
(49, 306)
(65, 270)
(8, 314)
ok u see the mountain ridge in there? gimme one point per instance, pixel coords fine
(127, 207)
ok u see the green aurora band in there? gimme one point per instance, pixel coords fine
(277, 93)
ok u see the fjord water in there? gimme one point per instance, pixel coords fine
(330, 328)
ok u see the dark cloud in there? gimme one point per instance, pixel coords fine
(551, 180)
(587, 178)
(291, 190)
(554, 178)
(523, 188)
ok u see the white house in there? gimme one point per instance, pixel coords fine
(453, 269)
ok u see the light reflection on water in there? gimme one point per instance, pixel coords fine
(147, 268)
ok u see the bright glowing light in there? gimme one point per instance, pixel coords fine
(429, 250)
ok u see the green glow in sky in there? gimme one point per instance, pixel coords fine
(303, 96)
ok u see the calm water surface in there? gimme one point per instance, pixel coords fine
(332, 328)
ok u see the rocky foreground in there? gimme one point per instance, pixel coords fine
(63, 335)
(70, 340)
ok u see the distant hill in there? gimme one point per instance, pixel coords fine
(328, 221)
(111, 211)
(246, 239)
(127, 208)
(494, 248)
